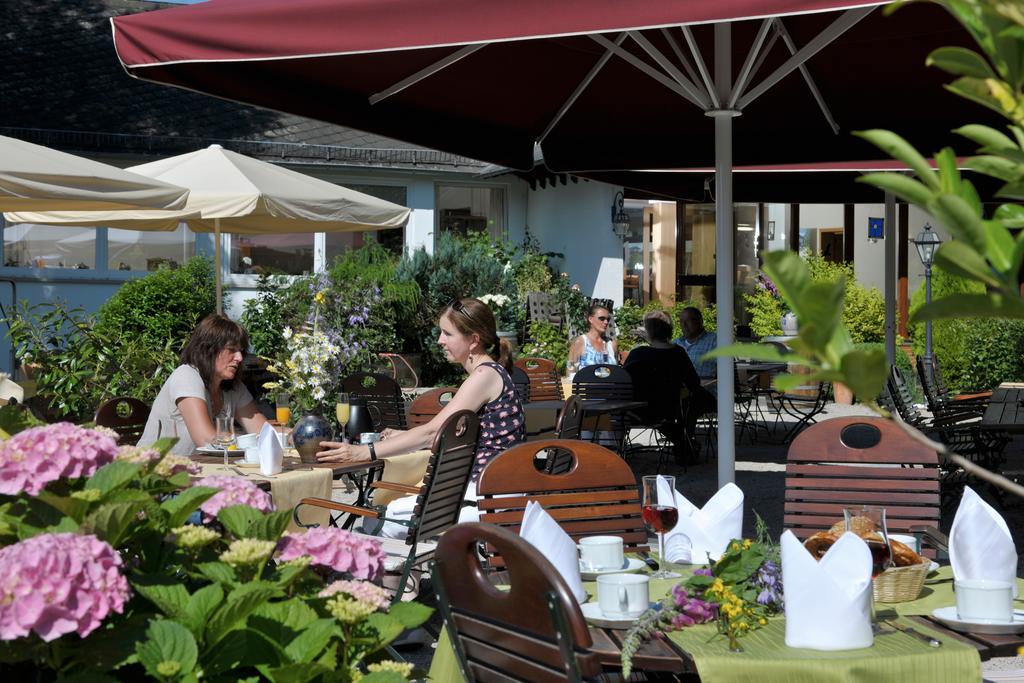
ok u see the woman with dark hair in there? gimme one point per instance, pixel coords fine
(469, 337)
(208, 383)
(594, 347)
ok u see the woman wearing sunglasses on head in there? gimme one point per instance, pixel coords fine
(594, 347)
(469, 337)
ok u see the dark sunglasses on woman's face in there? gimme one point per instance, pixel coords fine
(603, 318)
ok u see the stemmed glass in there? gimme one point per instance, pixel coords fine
(660, 516)
(342, 410)
(878, 542)
(224, 437)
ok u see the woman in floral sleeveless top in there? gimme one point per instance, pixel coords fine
(468, 337)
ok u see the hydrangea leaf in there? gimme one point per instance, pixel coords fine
(311, 641)
(179, 508)
(113, 522)
(410, 614)
(168, 642)
(200, 606)
(240, 603)
(112, 476)
(240, 520)
(296, 673)
(169, 595)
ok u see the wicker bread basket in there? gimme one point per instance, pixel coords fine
(901, 584)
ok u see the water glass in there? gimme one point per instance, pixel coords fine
(857, 520)
(224, 437)
(284, 409)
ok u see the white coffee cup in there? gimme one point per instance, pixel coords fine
(246, 441)
(252, 455)
(623, 596)
(601, 553)
(982, 600)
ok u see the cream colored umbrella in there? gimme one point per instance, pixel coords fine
(37, 178)
(234, 193)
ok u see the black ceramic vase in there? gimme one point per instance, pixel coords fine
(307, 434)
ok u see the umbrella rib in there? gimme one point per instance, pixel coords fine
(674, 44)
(701, 66)
(579, 89)
(669, 67)
(819, 42)
(646, 68)
(745, 73)
(811, 85)
(426, 72)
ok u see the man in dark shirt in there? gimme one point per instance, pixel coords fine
(661, 371)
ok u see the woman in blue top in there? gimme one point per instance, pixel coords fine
(594, 347)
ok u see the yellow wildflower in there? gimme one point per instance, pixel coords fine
(747, 543)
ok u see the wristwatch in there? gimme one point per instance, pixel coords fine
(373, 452)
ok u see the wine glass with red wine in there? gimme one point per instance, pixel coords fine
(868, 522)
(660, 515)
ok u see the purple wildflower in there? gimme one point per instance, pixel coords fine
(769, 583)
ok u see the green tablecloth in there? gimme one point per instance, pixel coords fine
(765, 657)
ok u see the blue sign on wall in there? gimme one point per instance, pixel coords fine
(876, 228)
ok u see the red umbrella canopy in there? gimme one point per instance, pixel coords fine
(488, 78)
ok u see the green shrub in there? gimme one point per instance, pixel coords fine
(993, 353)
(765, 313)
(264, 315)
(630, 319)
(949, 336)
(548, 341)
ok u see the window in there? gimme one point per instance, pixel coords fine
(287, 254)
(337, 243)
(465, 209)
(139, 250)
(47, 246)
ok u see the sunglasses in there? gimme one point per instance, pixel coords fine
(457, 305)
(603, 318)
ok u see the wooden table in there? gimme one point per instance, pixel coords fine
(338, 469)
(1005, 410)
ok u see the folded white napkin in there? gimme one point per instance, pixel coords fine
(702, 532)
(271, 453)
(828, 603)
(545, 535)
(980, 545)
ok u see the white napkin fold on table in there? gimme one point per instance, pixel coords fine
(980, 545)
(702, 532)
(270, 451)
(544, 534)
(828, 603)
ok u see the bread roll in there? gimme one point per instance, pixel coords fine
(819, 543)
(859, 525)
(903, 555)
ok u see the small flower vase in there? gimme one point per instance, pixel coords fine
(307, 434)
(789, 324)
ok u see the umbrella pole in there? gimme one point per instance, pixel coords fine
(724, 277)
(217, 261)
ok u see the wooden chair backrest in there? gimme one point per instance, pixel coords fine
(382, 393)
(926, 376)
(896, 397)
(448, 472)
(521, 381)
(129, 425)
(545, 382)
(850, 461)
(427, 405)
(603, 382)
(534, 632)
(596, 495)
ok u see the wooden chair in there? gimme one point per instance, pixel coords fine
(597, 494)
(533, 633)
(608, 382)
(438, 501)
(125, 415)
(545, 382)
(428, 404)
(383, 398)
(848, 461)
(521, 381)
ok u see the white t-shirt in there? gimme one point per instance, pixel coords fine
(186, 382)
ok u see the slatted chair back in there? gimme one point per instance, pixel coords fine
(427, 405)
(541, 307)
(927, 379)
(896, 398)
(850, 461)
(596, 495)
(570, 422)
(521, 382)
(449, 469)
(545, 382)
(125, 415)
(601, 381)
(532, 633)
(383, 396)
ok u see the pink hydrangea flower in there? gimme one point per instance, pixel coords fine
(335, 549)
(233, 491)
(54, 584)
(363, 591)
(35, 457)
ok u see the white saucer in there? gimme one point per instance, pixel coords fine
(933, 567)
(211, 449)
(632, 565)
(593, 614)
(948, 616)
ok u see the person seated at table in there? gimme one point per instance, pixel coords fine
(697, 341)
(469, 337)
(207, 383)
(594, 347)
(661, 371)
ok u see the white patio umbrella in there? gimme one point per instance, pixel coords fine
(37, 178)
(230, 192)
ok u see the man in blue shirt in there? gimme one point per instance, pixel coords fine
(696, 341)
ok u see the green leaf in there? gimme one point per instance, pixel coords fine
(170, 596)
(383, 677)
(959, 259)
(167, 641)
(905, 188)
(958, 217)
(271, 526)
(113, 475)
(200, 606)
(112, 522)
(410, 614)
(949, 174)
(240, 603)
(971, 306)
(240, 520)
(1013, 190)
(181, 506)
(308, 645)
(865, 372)
(1000, 246)
(898, 148)
(242, 648)
(218, 571)
(961, 62)
(994, 166)
(1010, 215)
(990, 138)
(296, 673)
(765, 352)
